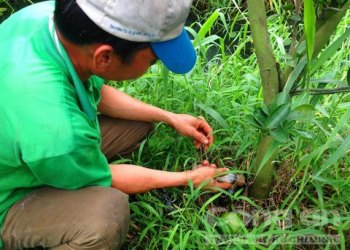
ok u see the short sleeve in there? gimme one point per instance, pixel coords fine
(83, 167)
(94, 86)
(97, 82)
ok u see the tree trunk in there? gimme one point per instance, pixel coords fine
(270, 84)
(263, 179)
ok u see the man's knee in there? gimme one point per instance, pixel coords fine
(108, 227)
(87, 218)
(112, 222)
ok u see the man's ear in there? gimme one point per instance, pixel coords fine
(103, 57)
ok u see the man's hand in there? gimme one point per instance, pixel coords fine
(206, 172)
(133, 179)
(197, 128)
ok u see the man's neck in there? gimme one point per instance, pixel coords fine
(79, 56)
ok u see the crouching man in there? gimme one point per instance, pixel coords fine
(61, 126)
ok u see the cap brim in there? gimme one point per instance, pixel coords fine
(178, 54)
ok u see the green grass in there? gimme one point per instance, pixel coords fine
(310, 195)
(311, 189)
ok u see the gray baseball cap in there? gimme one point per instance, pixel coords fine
(160, 22)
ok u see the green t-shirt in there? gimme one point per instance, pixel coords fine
(49, 134)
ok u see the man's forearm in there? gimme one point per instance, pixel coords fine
(133, 179)
(117, 104)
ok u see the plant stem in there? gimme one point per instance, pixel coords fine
(260, 189)
(270, 84)
(322, 91)
(263, 49)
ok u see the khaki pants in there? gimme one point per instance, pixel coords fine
(87, 218)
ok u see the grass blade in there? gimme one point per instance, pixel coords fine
(334, 158)
(213, 113)
(309, 27)
(171, 236)
(329, 52)
(294, 76)
(206, 27)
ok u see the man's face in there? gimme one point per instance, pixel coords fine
(138, 66)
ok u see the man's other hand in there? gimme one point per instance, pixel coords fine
(206, 172)
(194, 127)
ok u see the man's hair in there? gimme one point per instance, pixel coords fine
(75, 26)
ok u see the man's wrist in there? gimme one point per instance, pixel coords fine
(168, 118)
(187, 177)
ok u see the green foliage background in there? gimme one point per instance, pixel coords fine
(312, 183)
